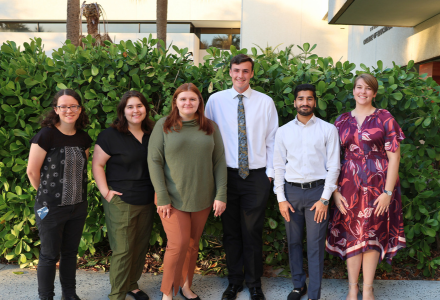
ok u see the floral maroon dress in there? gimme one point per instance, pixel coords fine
(361, 181)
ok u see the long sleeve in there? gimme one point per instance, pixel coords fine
(279, 165)
(333, 164)
(219, 167)
(156, 164)
(270, 139)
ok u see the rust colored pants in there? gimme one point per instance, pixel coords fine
(183, 230)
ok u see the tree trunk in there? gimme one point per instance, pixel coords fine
(73, 23)
(92, 26)
(161, 23)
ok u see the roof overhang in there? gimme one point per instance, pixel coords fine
(396, 13)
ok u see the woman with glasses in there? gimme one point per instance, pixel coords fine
(57, 169)
(127, 192)
(188, 169)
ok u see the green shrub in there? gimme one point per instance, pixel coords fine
(29, 78)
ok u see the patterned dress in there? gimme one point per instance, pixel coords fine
(361, 181)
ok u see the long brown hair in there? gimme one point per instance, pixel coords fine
(174, 120)
(121, 124)
(51, 119)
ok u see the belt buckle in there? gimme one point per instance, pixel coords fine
(305, 188)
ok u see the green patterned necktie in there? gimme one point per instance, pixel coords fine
(243, 162)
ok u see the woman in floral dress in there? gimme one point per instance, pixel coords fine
(366, 222)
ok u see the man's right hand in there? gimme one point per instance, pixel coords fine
(110, 195)
(284, 209)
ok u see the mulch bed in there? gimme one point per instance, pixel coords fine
(335, 268)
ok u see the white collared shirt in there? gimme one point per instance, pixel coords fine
(305, 153)
(261, 126)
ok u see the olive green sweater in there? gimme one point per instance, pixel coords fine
(187, 168)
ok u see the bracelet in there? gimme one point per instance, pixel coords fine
(107, 194)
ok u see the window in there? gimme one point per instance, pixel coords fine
(112, 27)
(221, 38)
(18, 27)
(171, 28)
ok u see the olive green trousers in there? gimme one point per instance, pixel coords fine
(129, 228)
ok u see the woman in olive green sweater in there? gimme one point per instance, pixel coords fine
(187, 166)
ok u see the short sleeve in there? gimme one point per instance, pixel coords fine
(341, 120)
(88, 140)
(43, 138)
(393, 133)
(104, 140)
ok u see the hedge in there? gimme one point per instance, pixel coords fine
(29, 78)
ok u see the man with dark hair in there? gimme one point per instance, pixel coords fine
(247, 120)
(306, 163)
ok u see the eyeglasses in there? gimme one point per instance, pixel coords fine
(73, 108)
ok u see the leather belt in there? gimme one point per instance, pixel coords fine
(252, 170)
(307, 185)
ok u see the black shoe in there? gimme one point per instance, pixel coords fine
(256, 293)
(297, 293)
(46, 298)
(74, 297)
(181, 293)
(231, 291)
(139, 295)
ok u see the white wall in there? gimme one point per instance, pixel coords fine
(399, 44)
(292, 22)
(388, 47)
(178, 10)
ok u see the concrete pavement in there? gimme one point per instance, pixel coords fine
(95, 286)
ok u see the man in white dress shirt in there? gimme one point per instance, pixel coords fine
(307, 165)
(248, 121)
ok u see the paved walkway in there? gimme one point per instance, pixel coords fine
(95, 286)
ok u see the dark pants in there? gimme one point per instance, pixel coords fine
(302, 201)
(243, 222)
(60, 233)
(129, 228)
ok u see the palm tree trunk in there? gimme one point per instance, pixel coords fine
(161, 23)
(73, 22)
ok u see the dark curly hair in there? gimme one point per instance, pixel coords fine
(121, 124)
(51, 119)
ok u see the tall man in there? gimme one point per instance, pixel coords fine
(306, 163)
(248, 121)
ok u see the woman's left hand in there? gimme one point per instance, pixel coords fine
(382, 202)
(219, 207)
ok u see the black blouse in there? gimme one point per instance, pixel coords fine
(63, 175)
(127, 168)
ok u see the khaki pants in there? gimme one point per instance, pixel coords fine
(183, 230)
(129, 228)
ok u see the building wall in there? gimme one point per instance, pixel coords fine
(178, 10)
(399, 44)
(268, 22)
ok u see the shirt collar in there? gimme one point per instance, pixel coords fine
(310, 122)
(246, 93)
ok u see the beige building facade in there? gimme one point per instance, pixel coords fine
(392, 31)
(196, 24)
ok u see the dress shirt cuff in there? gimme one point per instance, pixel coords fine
(281, 197)
(326, 194)
(270, 172)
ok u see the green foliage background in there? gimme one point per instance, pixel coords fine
(29, 78)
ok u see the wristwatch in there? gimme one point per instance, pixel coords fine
(389, 193)
(325, 202)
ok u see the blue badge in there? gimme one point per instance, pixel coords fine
(42, 212)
